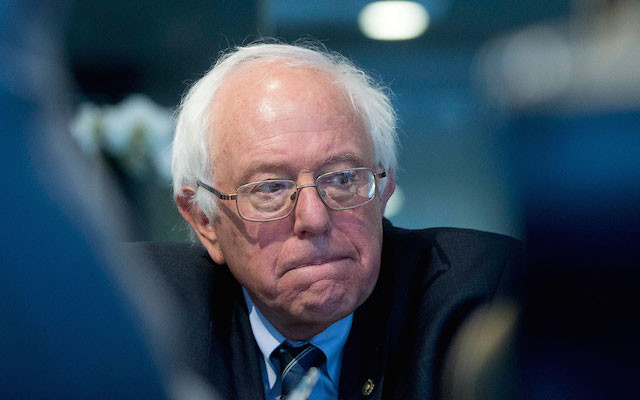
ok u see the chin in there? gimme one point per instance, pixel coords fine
(325, 302)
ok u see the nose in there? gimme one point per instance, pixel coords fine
(311, 215)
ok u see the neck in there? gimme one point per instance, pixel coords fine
(292, 330)
(299, 333)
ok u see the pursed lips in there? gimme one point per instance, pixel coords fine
(310, 262)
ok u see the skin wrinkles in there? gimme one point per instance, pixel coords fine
(316, 266)
(278, 169)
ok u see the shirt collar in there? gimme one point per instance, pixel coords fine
(331, 341)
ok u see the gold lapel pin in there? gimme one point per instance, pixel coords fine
(367, 388)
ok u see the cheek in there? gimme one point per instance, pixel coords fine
(363, 228)
(253, 261)
(364, 231)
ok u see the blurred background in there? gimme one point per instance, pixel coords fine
(454, 156)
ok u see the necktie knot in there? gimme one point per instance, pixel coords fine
(295, 362)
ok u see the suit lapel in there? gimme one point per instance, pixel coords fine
(365, 352)
(368, 353)
(246, 358)
(234, 356)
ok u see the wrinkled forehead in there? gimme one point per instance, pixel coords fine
(268, 88)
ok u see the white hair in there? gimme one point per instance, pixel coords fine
(191, 159)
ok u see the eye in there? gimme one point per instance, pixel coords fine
(269, 187)
(344, 178)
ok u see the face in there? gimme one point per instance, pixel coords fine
(317, 265)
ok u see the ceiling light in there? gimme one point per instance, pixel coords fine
(393, 20)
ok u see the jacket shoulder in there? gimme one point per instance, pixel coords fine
(197, 285)
(453, 240)
(435, 278)
(442, 249)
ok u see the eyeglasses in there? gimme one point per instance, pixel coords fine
(275, 199)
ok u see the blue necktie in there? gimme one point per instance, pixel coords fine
(295, 362)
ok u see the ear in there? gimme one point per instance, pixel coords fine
(389, 188)
(201, 225)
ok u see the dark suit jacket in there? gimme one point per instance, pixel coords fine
(429, 281)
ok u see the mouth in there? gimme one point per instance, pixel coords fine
(314, 263)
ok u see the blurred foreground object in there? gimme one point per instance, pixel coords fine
(78, 319)
(481, 363)
(571, 94)
(304, 388)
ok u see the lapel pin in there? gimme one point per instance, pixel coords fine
(367, 388)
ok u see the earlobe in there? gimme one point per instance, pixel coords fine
(209, 239)
(200, 223)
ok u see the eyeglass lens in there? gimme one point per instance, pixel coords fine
(274, 199)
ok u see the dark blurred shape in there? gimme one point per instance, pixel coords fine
(580, 179)
(581, 189)
(78, 320)
(481, 363)
(572, 93)
(151, 46)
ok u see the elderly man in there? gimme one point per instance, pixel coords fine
(283, 162)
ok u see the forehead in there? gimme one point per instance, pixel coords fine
(272, 113)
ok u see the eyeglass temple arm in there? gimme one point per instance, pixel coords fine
(380, 175)
(219, 195)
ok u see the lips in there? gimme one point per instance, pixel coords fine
(312, 261)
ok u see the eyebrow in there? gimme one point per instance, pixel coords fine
(276, 166)
(279, 166)
(346, 157)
